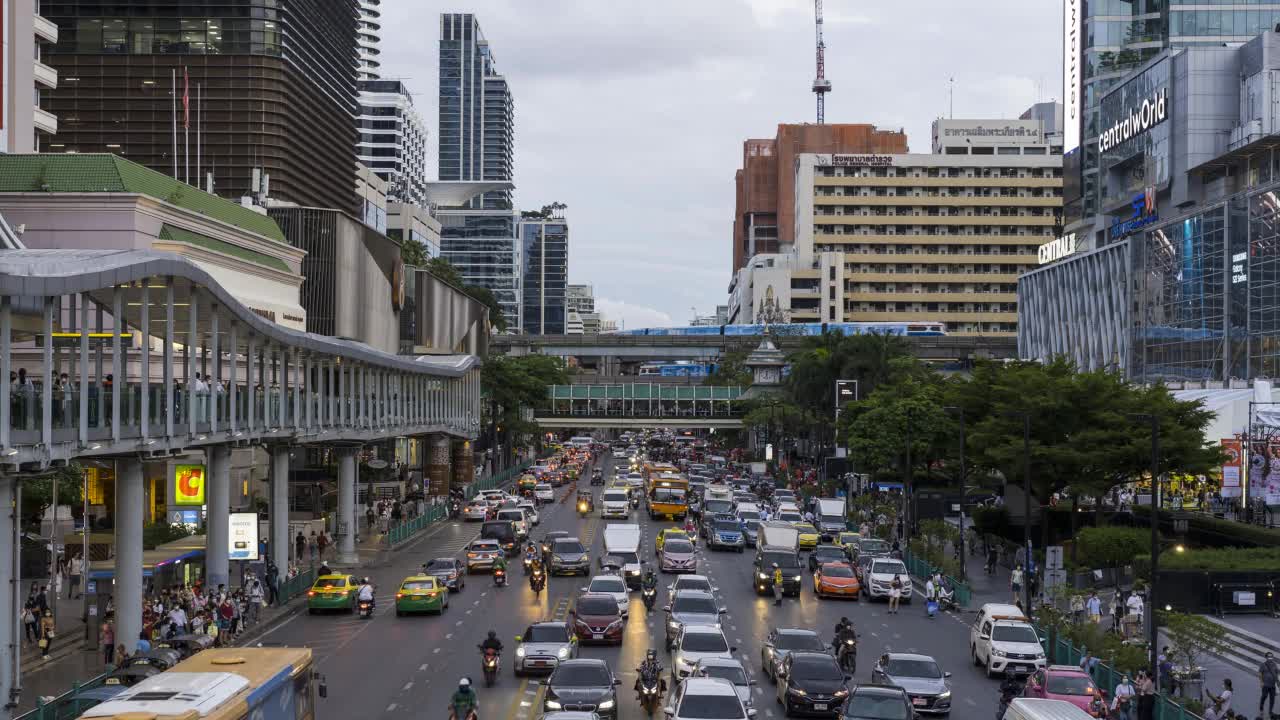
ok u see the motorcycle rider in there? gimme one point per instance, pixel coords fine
(462, 705)
(650, 669)
(536, 575)
(845, 631)
(365, 593)
(499, 563)
(1009, 689)
(649, 579)
(492, 643)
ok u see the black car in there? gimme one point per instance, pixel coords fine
(504, 531)
(877, 702)
(811, 683)
(448, 571)
(824, 554)
(582, 685)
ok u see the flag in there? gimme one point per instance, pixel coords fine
(186, 100)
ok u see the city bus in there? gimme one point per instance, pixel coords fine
(223, 684)
(668, 496)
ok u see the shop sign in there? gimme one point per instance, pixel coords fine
(188, 485)
(1153, 111)
(862, 160)
(1239, 268)
(1144, 214)
(1231, 468)
(1072, 25)
(242, 536)
(1058, 249)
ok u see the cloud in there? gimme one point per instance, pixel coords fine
(631, 316)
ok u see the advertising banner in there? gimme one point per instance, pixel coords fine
(242, 536)
(1264, 470)
(1231, 468)
(188, 485)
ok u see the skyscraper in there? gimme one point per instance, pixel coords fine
(393, 140)
(545, 251)
(370, 38)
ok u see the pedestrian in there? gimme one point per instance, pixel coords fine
(1164, 672)
(47, 633)
(895, 593)
(1134, 605)
(777, 585)
(1117, 615)
(1218, 706)
(1122, 700)
(1087, 661)
(1077, 608)
(299, 546)
(211, 629)
(107, 639)
(1094, 607)
(273, 580)
(31, 621)
(77, 568)
(1146, 696)
(1015, 582)
(42, 599)
(930, 596)
(323, 542)
(122, 654)
(144, 643)
(313, 545)
(1268, 676)
(255, 598)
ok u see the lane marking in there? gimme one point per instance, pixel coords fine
(407, 686)
(423, 666)
(391, 707)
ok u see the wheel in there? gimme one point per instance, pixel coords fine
(311, 611)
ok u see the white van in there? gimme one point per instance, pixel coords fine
(622, 540)
(615, 502)
(1001, 639)
(581, 441)
(1041, 709)
(830, 515)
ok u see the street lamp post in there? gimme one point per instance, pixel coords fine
(1152, 626)
(1026, 507)
(960, 412)
(906, 486)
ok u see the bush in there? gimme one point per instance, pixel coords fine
(161, 533)
(991, 520)
(1264, 559)
(1110, 547)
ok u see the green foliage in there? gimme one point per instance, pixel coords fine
(442, 269)
(1266, 559)
(991, 520)
(930, 545)
(413, 252)
(731, 370)
(1191, 636)
(547, 212)
(878, 429)
(778, 413)
(37, 491)
(509, 384)
(1109, 547)
(486, 297)
(161, 533)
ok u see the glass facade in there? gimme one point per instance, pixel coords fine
(546, 276)
(485, 250)
(1263, 271)
(476, 111)
(1142, 160)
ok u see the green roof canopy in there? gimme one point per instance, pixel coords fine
(174, 234)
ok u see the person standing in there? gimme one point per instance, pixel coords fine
(255, 599)
(313, 545)
(1268, 676)
(1122, 701)
(47, 634)
(107, 639)
(1015, 582)
(1218, 707)
(299, 547)
(895, 593)
(77, 569)
(777, 585)
(1146, 696)
(1094, 607)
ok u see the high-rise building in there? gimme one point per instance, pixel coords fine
(580, 298)
(483, 246)
(719, 317)
(393, 139)
(25, 36)
(220, 88)
(477, 115)
(764, 209)
(545, 252)
(370, 38)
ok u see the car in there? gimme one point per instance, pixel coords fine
(788, 516)
(530, 512)
(570, 715)
(707, 698)
(333, 592)
(1001, 639)
(836, 579)
(824, 554)
(667, 533)
(620, 454)
(782, 642)
(481, 554)
(544, 493)
(870, 546)
(691, 607)
(505, 532)
(809, 535)
(519, 522)
(729, 670)
(678, 556)
(845, 539)
(696, 643)
(569, 557)
(543, 646)
(879, 575)
(422, 593)
(1062, 682)
(877, 702)
(726, 534)
(450, 571)
(597, 619)
(860, 568)
(476, 510)
(549, 539)
(690, 582)
(926, 684)
(611, 585)
(615, 503)
(811, 683)
(583, 685)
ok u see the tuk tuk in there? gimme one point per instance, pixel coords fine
(130, 675)
(586, 502)
(157, 657)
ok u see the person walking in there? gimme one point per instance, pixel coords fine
(1015, 582)
(77, 569)
(895, 593)
(107, 639)
(47, 633)
(1268, 676)
(255, 599)
(313, 546)
(1123, 700)
(31, 620)
(299, 547)
(322, 541)
(1094, 607)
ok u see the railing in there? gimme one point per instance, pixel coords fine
(295, 586)
(500, 479)
(406, 530)
(69, 705)
(921, 568)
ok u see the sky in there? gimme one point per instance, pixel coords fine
(633, 112)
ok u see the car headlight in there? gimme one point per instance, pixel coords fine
(796, 578)
(633, 572)
(997, 653)
(673, 625)
(1039, 656)
(520, 651)
(840, 693)
(796, 691)
(553, 705)
(945, 696)
(762, 576)
(563, 653)
(606, 705)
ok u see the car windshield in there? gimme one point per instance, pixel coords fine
(873, 546)
(824, 667)
(628, 558)
(597, 606)
(704, 642)
(485, 546)
(668, 495)
(827, 552)
(784, 560)
(1014, 634)
(694, 604)
(420, 585)
(837, 570)
(799, 641)
(608, 584)
(331, 582)
(691, 583)
(913, 668)
(876, 707)
(727, 526)
(677, 546)
(615, 496)
(542, 487)
(568, 547)
(591, 675)
(733, 673)
(440, 566)
(1071, 684)
(516, 515)
(717, 506)
(888, 567)
(710, 706)
(789, 517)
(546, 634)
(749, 515)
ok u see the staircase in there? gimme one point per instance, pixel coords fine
(1246, 648)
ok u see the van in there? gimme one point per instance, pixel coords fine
(519, 521)
(503, 531)
(829, 514)
(1042, 709)
(581, 441)
(622, 540)
(1001, 639)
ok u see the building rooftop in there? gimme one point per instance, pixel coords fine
(103, 173)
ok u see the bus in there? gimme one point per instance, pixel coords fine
(223, 684)
(668, 496)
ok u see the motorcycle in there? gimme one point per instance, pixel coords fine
(650, 596)
(650, 692)
(537, 581)
(499, 577)
(848, 656)
(1007, 696)
(489, 664)
(364, 609)
(471, 715)
(528, 563)
(946, 598)
(583, 508)
(455, 510)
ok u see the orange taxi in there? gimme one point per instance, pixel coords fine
(836, 579)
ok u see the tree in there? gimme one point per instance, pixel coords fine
(550, 211)
(879, 429)
(512, 384)
(1192, 636)
(414, 252)
(37, 491)
(444, 270)
(486, 297)
(731, 370)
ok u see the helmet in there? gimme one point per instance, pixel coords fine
(366, 580)
(651, 654)
(464, 683)
(775, 565)
(844, 620)
(493, 634)
(1009, 674)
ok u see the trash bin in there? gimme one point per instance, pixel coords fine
(1189, 683)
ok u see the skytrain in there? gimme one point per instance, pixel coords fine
(925, 329)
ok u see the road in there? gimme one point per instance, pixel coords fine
(394, 667)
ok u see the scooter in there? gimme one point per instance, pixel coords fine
(537, 581)
(946, 598)
(489, 663)
(651, 691)
(528, 563)
(499, 577)
(364, 609)
(583, 508)
(650, 596)
(848, 656)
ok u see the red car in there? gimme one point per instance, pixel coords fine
(597, 619)
(1062, 682)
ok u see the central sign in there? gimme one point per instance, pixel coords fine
(188, 485)
(1058, 249)
(1153, 111)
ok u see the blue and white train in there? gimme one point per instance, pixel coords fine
(915, 329)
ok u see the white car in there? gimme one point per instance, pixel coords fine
(731, 670)
(615, 503)
(476, 510)
(620, 454)
(1001, 644)
(707, 698)
(544, 493)
(530, 512)
(694, 643)
(880, 576)
(690, 582)
(611, 585)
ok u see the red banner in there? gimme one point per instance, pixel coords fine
(1231, 468)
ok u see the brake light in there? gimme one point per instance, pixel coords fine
(311, 593)
(399, 595)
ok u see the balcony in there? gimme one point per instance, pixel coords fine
(46, 76)
(45, 121)
(46, 29)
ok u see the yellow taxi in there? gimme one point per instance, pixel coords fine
(809, 535)
(333, 592)
(669, 533)
(845, 539)
(422, 593)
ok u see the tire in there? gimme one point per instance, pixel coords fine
(311, 611)
(973, 652)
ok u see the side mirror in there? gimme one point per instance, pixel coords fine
(667, 608)
(669, 710)
(616, 681)
(722, 611)
(751, 712)
(947, 675)
(752, 681)
(323, 690)
(733, 649)
(518, 638)
(984, 637)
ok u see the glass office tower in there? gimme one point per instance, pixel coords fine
(545, 247)
(477, 115)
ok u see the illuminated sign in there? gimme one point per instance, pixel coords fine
(862, 160)
(1144, 214)
(1072, 23)
(1153, 111)
(188, 485)
(242, 536)
(1239, 268)
(1058, 249)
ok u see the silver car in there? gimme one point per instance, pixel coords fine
(611, 585)
(920, 676)
(731, 670)
(691, 607)
(690, 582)
(542, 646)
(678, 556)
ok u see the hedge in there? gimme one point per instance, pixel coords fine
(1206, 530)
(1110, 547)
(1221, 559)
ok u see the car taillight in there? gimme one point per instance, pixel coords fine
(399, 595)
(311, 593)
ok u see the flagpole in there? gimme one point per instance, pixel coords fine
(175, 123)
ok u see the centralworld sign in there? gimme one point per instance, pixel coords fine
(1153, 111)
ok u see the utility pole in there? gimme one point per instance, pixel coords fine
(960, 411)
(1152, 625)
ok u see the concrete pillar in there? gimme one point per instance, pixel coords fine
(463, 463)
(280, 540)
(127, 590)
(438, 464)
(217, 566)
(10, 587)
(347, 506)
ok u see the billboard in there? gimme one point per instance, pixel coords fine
(242, 536)
(188, 485)
(1072, 92)
(1231, 468)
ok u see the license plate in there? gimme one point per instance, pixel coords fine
(597, 636)
(819, 706)
(1021, 668)
(917, 701)
(538, 663)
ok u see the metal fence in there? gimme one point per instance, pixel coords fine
(921, 568)
(295, 586)
(70, 704)
(405, 531)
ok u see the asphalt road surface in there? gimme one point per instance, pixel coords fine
(392, 667)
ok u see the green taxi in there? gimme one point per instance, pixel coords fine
(421, 593)
(333, 592)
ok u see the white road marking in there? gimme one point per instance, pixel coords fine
(391, 707)
(423, 666)
(433, 652)
(459, 623)
(970, 702)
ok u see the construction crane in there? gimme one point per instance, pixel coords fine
(821, 85)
